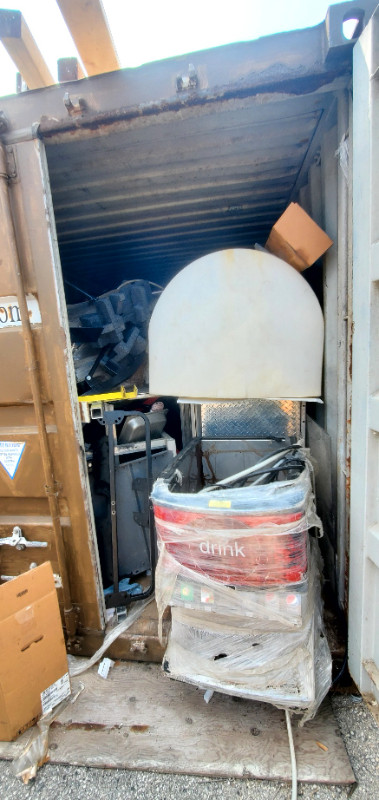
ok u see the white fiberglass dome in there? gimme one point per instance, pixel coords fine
(237, 324)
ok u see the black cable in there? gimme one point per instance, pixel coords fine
(341, 670)
(78, 289)
(270, 470)
(252, 471)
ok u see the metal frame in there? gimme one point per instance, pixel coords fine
(313, 60)
(192, 420)
(165, 441)
(364, 534)
(111, 419)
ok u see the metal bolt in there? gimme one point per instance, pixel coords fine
(189, 81)
(73, 108)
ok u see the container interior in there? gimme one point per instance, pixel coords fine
(142, 197)
(145, 201)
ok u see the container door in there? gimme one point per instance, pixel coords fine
(45, 512)
(364, 544)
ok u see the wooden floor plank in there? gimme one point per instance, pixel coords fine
(140, 719)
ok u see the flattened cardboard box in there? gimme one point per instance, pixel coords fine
(33, 661)
(297, 239)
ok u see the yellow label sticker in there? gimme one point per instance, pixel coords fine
(220, 504)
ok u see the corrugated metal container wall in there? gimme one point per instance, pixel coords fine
(135, 178)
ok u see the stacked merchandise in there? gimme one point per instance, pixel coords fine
(241, 574)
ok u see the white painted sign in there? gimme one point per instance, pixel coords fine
(104, 667)
(10, 315)
(10, 456)
(55, 693)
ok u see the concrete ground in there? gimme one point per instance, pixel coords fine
(357, 724)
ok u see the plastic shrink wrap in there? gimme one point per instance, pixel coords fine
(250, 536)
(279, 608)
(221, 558)
(237, 569)
(290, 669)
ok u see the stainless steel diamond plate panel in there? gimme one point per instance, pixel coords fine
(258, 419)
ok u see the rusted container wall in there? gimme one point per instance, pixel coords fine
(24, 497)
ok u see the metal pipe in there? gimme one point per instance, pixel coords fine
(251, 470)
(51, 486)
(112, 488)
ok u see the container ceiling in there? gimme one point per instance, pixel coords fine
(148, 199)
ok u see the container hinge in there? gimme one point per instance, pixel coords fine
(57, 579)
(54, 489)
(10, 157)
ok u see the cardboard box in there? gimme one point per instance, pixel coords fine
(33, 662)
(297, 239)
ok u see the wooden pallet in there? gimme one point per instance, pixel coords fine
(140, 719)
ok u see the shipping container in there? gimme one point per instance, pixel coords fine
(136, 173)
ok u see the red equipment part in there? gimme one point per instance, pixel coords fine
(237, 550)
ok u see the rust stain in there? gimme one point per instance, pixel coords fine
(85, 726)
(139, 728)
(350, 353)
(98, 122)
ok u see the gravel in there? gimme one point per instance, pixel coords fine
(358, 727)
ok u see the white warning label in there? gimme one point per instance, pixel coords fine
(10, 456)
(104, 667)
(55, 693)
